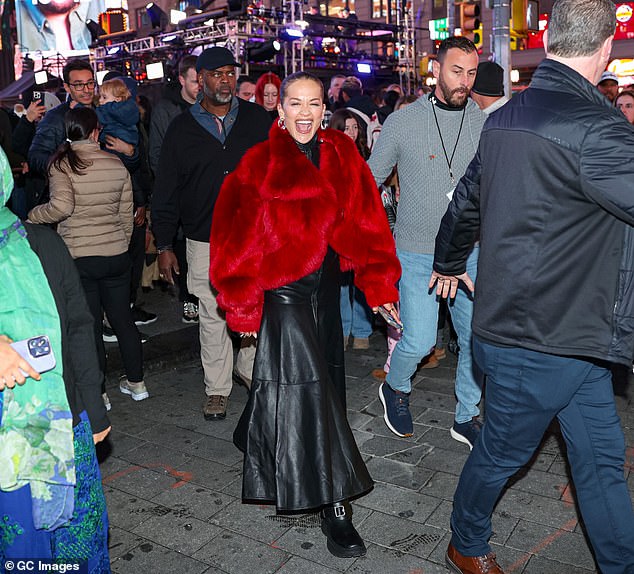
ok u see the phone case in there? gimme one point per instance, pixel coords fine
(36, 351)
(391, 321)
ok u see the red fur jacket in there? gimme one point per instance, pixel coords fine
(277, 214)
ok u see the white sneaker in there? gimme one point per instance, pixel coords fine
(136, 390)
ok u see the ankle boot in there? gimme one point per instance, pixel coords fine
(343, 539)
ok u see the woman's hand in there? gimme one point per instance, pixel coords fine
(390, 310)
(10, 364)
(99, 436)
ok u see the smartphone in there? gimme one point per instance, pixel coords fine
(391, 321)
(36, 351)
(37, 96)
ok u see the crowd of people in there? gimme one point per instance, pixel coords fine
(297, 218)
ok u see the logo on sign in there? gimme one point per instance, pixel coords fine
(624, 13)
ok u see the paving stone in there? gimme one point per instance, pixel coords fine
(399, 502)
(446, 460)
(310, 543)
(201, 502)
(436, 401)
(209, 473)
(398, 473)
(159, 458)
(400, 534)
(441, 485)
(171, 436)
(436, 418)
(382, 446)
(214, 448)
(259, 522)
(297, 565)
(537, 482)
(151, 557)
(380, 560)
(539, 565)
(121, 541)
(178, 530)
(538, 509)
(237, 554)
(358, 420)
(117, 443)
(441, 438)
(127, 511)
(144, 482)
(552, 543)
(412, 455)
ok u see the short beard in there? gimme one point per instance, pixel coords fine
(456, 98)
(57, 6)
(215, 97)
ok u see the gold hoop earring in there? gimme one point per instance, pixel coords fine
(281, 124)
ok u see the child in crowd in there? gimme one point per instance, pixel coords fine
(117, 112)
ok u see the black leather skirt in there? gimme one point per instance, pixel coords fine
(299, 450)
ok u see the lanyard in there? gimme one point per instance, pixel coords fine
(448, 159)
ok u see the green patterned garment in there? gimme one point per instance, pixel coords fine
(36, 426)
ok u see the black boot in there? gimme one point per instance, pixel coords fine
(343, 539)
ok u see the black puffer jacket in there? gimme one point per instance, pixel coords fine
(552, 193)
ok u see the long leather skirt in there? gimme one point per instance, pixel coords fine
(299, 450)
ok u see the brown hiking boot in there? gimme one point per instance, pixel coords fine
(215, 407)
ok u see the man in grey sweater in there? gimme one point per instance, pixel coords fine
(431, 142)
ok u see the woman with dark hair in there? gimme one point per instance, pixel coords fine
(52, 505)
(267, 93)
(91, 203)
(344, 120)
(299, 208)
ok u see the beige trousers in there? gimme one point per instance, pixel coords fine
(216, 350)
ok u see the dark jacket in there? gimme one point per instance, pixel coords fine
(23, 135)
(82, 376)
(192, 167)
(171, 105)
(50, 133)
(119, 119)
(552, 201)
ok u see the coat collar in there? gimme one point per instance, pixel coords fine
(290, 175)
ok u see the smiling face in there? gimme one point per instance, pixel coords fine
(303, 109)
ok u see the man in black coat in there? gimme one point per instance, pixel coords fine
(201, 146)
(554, 302)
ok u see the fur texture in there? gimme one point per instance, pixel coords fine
(277, 214)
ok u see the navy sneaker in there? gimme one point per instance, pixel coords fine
(466, 433)
(396, 410)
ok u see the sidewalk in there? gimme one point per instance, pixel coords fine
(172, 480)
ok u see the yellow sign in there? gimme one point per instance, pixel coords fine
(623, 13)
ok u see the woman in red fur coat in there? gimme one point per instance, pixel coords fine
(300, 207)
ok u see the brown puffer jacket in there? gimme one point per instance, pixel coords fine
(94, 211)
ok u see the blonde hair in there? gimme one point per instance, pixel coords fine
(116, 88)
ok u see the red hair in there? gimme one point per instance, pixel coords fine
(268, 78)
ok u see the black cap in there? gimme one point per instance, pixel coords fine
(489, 80)
(213, 58)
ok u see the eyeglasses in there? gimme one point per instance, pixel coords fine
(82, 86)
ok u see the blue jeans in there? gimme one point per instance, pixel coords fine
(525, 391)
(419, 313)
(356, 317)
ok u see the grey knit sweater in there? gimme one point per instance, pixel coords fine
(409, 140)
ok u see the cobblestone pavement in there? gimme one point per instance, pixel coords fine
(173, 480)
